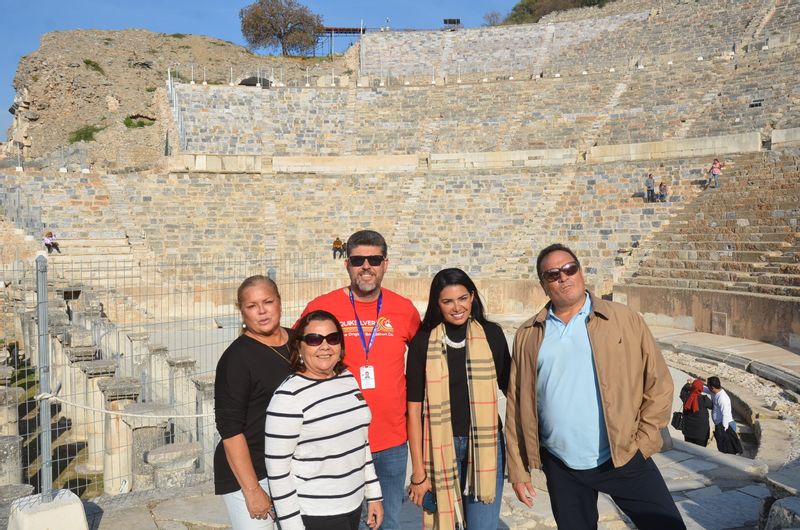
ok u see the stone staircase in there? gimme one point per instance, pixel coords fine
(743, 237)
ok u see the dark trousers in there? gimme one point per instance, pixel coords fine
(637, 488)
(346, 521)
(703, 442)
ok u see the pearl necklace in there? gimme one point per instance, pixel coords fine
(454, 345)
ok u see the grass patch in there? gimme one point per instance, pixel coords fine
(84, 134)
(92, 65)
(132, 122)
(176, 75)
(150, 89)
(178, 35)
(184, 47)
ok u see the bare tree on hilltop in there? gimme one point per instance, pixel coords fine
(284, 24)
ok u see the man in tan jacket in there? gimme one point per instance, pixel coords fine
(588, 393)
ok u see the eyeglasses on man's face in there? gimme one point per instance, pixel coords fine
(569, 269)
(358, 261)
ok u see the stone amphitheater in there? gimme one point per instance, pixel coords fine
(472, 148)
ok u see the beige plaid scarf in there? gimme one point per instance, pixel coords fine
(439, 451)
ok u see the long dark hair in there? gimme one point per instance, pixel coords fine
(299, 333)
(445, 278)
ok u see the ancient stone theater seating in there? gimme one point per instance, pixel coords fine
(547, 137)
(730, 261)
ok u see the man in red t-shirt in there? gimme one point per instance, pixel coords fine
(378, 324)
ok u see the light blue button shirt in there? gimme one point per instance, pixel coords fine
(571, 421)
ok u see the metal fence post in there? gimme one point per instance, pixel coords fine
(46, 474)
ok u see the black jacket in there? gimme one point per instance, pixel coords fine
(695, 424)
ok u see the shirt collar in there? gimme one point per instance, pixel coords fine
(584, 311)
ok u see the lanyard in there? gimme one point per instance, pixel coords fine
(366, 346)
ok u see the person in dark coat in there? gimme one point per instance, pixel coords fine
(695, 412)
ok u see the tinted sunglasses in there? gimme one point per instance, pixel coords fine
(315, 339)
(569, 269)
(358, 261)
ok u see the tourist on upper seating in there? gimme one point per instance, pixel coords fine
(318, 459)
(696, 405)
(338, 248)
(248, 372)
(588, 395)
(714, 173)
(378, 324)
(650, 185)
(662, 192)
(458, 346)
(50, 243)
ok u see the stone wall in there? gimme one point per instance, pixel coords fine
(729, 262)
(614, 35)
(491, 222)
(494, 49)
(693, 98)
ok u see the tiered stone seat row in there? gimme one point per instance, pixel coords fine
(611, 36)
(465, 118)
(786, 19)
(484, 49)
(687, 100)
(743, 237)
(491, 222)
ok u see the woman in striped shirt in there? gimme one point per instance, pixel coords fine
(318, 460)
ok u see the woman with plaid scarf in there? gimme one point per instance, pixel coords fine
(456, 363)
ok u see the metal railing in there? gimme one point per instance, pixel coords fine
(119, 399)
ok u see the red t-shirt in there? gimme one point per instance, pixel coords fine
(397, 325)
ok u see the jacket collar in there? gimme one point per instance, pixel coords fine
(600, 307)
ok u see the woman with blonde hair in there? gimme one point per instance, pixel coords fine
(248, 372)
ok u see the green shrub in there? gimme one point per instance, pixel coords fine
(92, 65)
(177, 76)
(136, 123)
(150, 89)
(178, 35)
(84, 134)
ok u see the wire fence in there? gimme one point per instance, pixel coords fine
(109, 368)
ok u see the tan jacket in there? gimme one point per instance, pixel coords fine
(635, 387)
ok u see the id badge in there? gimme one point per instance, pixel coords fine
(367, 377)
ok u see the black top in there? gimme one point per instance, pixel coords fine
(695, 424)
(248, 373)
(457, 366)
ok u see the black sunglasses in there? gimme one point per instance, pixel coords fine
(315, 339)
(569, 269)
(358, 261)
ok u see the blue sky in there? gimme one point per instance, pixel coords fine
(24, 22)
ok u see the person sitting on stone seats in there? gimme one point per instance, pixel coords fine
(662, 192)
(338, 248)
(50, 243)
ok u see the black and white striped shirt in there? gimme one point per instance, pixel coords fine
(316, 448)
